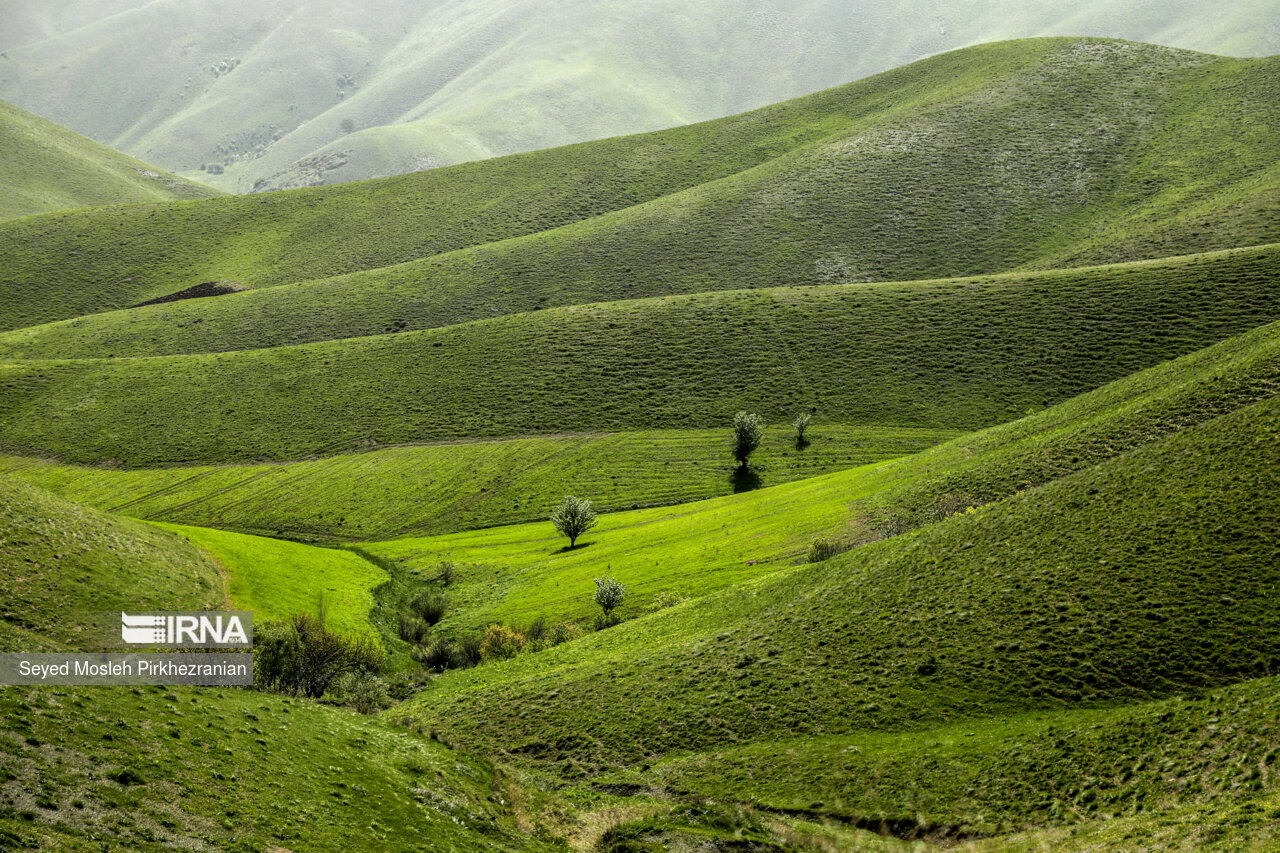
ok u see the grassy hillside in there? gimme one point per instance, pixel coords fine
(48, 168)
(448, 487)
(516, 574)
(1147, 576)
(926, 171)
(291, 94)
(277, 580)
(1024, 770)
(64, 565)
(1178, 774)
(991, 350)
(151, 769)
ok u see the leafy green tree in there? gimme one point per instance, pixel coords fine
(748, 431)
(573, 518)
(802, 424)
(609, 594)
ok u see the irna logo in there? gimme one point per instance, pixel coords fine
(188, 629)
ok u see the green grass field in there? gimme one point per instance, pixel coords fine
(449, 487)
(516, 574)
(1042, 153)
(939, 355)
(1147, 576)
(232, 770)
(1019, 771)
(47, 167)
(277, 580)
(1029, 293)
(66, 568)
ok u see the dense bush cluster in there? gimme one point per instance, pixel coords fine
(303, 657)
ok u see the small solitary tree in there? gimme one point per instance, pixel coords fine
(609, 594)
(802, 424)
(748, 430)
(573, 518)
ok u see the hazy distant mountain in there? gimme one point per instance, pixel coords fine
(281, 93)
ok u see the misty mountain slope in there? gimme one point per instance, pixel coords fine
(46, 167)
(281, 94)
(1047, 152)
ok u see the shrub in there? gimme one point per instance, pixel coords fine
(537, 629)
(564, 632)
(430, 605)
(573, 518)
(949, 504)
(443, 654)
(500, 642)
(888, 523)
(447, 569)
(748, 431)
(364, 691)
(469, 650)
(437, 655)
(822, 549)
(413, 629)
(609, 594)
(663, 600)
(302, 656)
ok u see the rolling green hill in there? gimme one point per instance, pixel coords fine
(277, 580)
(181, 768)
(46, 167)
(989, 351)
(517, 574)
(63, 565)
(1029, 292)
(1150, 575)
(1031, 769)
(289, 94)
(447, 487)
(1029, 154)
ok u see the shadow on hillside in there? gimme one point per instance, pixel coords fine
(802, 443)
(567, 548)
(745, 479)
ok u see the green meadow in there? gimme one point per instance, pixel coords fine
(66, 565)
(1094, 589)
(518, 573)
(441, 488)
(1014, 591)
(153, 769)
(277, 579)
(940, 355)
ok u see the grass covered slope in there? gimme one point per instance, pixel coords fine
(277, 580)
(1014, 772)
(1018, 154)
(990, 350)
(62, 565)
(449, 487)
(287, 94)
(517, 574)
(152, 769)
(1143, 577)
(46, 168)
